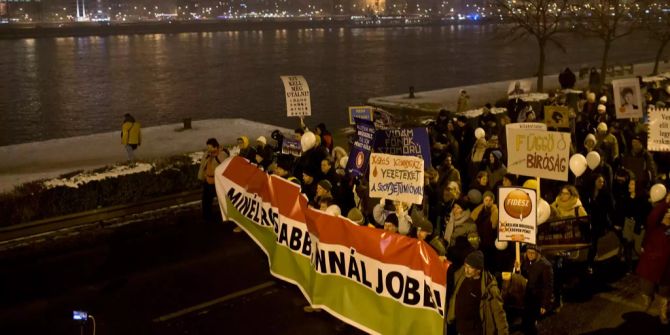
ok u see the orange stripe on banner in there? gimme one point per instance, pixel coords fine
(386, 247)
(248, 176)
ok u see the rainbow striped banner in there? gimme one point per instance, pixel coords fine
(377, 281)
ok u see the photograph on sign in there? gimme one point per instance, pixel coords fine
(517, 210)
(360, 112)
(291, 147)
(535, 153)
(627, 98)
(296, 91)
(659, 129)
(557, 116)
(396, 177)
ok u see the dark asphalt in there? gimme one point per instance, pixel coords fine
(134, 280)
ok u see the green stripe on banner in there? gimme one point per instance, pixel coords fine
(350, 301)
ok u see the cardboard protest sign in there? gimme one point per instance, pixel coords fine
(394, 278)
(297, 96)
(536, 153)
(360, 152)
(360, 112)
(517, 208)
(396, 177)
(404, 141)
(557, 116)
(659, 130)
(627, 98)
(291, 147)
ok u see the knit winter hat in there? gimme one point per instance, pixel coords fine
(475, 259)
(325, 184)
(601, 108)
(590, 137)
(497, 154)
(602, 126)
(603, 99)
(591, 97)
(533, 247)
(262, 139)
(356, 216)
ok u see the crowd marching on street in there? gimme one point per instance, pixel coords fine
(623, 195)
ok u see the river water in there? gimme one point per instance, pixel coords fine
(62, 87)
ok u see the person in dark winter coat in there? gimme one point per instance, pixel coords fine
(476, 306)
(539, 297)
(641, 163)
(567, 78)
(654, 265)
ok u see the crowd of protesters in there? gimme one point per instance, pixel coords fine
(459, 215)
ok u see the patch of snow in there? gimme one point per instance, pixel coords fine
(87, 177)
(27, 162)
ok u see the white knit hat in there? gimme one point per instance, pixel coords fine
(601, 108)
(591, 96)
(262, 140)
(602, 126)
(603, 99)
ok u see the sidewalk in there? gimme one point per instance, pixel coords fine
(27, 162)
(480, 94)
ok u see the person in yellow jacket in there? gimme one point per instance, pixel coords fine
(131, 135)
(213, 157)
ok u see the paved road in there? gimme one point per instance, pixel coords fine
(177, 276)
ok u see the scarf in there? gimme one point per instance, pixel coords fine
(453, 222)
(567, 208)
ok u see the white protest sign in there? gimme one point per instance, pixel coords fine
(537, 153)
(659, 129)
(517, 215)
(297, 96)
(396, 177)
(627, 98)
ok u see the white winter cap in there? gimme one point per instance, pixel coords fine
(601, 108)
(262, 140)
(590, 137)
(591, 96)
(603, 99)
(602, 126)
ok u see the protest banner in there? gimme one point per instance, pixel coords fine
(557, 116)
(659, 129)
(291, 147)
(517, 214)
(566, 232)
(396, 177)
(369, 278)
(297, 96)
(359, 156)
(627, 98)
(536, 153)
(404, 141)
(360, 112)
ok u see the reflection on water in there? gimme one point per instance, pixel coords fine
(60, 87)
